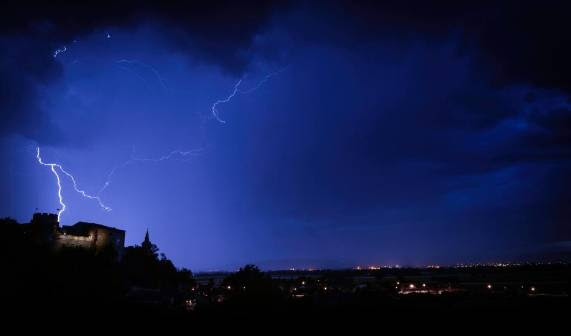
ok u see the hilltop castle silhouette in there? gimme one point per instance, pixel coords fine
(45, 229)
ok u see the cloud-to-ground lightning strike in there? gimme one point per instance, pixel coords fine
(59, 193)
(53, 167)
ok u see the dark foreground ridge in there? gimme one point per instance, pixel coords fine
(41, 277)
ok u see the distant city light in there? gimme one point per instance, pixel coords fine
(433, 266)
(489, 286)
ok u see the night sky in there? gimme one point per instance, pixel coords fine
(360, 133)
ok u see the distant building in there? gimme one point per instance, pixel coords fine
(44, 229)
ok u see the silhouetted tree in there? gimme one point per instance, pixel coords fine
(251, 287)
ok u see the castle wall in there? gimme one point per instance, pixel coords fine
(45, 229)
(97, 238)
(65, 240)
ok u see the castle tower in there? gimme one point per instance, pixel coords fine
(149, 247)
(44, 227)
(147, 242)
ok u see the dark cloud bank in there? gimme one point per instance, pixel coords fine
(522, 42)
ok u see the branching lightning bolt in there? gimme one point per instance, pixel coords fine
(214, 110)
(83, 193)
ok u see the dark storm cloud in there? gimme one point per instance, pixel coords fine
(23, 72)
(507, 44)
(487, 91)
(523, 41)
(217, 33)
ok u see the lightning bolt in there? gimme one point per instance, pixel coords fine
(132, 160)
(214, 108)
(59, 51)
(155, 72)
(263, 81)
(59, 193)
(192, 152)
(54, 167)
(223, 101)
